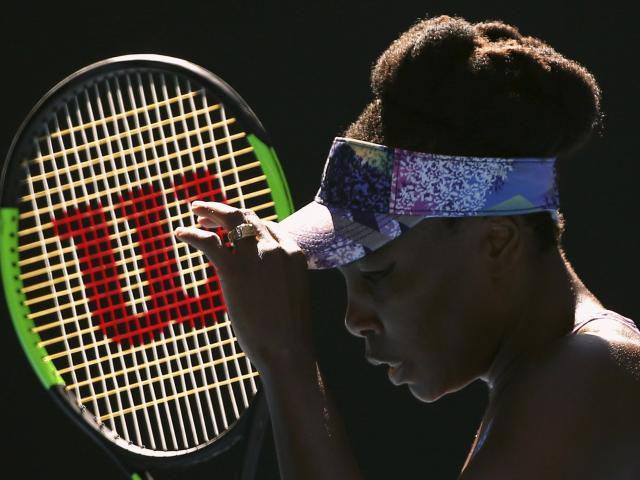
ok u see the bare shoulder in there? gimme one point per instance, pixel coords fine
(622, 342)
(611, 348)
(570, 412)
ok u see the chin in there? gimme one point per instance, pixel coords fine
(429, 392)
(426, 393)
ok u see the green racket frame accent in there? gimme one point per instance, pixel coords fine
(14, 297)
(275, 177)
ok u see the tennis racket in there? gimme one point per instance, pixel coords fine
(126, 327)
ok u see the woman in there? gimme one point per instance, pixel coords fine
(440, 209)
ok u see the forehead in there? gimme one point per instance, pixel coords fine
(428, 239)
(394, 250)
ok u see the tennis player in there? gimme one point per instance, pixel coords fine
(439, 205)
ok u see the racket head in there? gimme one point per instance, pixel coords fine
(108, 161)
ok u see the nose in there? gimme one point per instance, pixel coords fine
(361, 322)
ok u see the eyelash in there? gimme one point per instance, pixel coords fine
(377, 275)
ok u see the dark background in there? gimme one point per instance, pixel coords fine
(304, 68)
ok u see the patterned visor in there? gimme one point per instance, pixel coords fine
(370, 194)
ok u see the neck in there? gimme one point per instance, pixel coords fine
(552, 298)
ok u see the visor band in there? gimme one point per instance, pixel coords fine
(371, 194)
(362, 176)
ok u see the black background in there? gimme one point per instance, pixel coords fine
(304, 69)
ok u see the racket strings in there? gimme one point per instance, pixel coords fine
(190, 263)
(133, 321)
(41, 285)
(111, 138)
(128, 168)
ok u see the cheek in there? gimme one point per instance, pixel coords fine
(455, 305)
(467, 342)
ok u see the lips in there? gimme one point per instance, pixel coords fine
(380, 361)
(397, 370)
(396, 374)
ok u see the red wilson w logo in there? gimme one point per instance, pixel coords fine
(133, 299)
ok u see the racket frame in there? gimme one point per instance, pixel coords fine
(21, 149)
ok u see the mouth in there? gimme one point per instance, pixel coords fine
(378, 361)
(397, 370)
(396, 374)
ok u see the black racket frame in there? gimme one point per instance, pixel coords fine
(21, 148)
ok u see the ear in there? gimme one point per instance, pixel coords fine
(503, 241)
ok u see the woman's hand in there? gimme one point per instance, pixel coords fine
(264, 280)
(265, 284)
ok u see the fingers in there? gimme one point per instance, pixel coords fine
(221, 214)
(206, 223)
(207, 242)
(213, 214)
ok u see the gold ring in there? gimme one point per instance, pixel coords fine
(241, 231)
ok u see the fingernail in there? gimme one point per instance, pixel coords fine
(197, 203)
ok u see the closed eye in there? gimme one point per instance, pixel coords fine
(376, 275)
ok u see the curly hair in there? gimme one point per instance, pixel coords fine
(453, 87)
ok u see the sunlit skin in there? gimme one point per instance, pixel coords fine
(442, 308)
